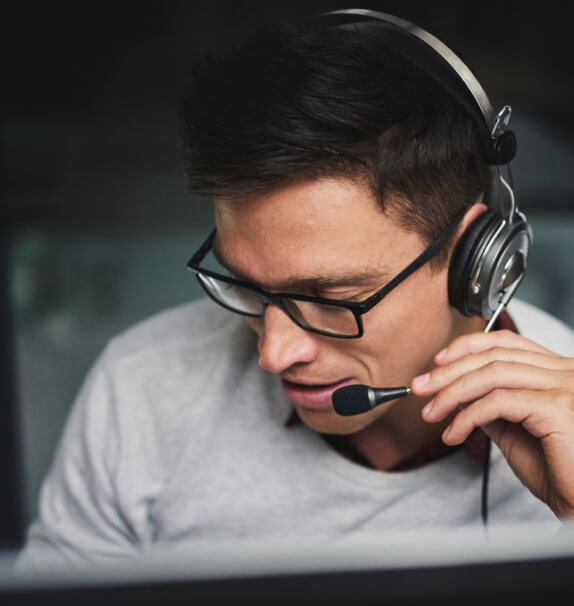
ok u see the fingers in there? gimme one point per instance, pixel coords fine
(477, 342)
(517, 385)
(496, 360)
(477, 383)
(515, 406)
(486, 368)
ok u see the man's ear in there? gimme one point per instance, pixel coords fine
(470, 216)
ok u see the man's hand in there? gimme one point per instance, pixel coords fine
(521, 395)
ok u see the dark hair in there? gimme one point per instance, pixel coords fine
(308, 102)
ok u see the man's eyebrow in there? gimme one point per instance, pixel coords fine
(366, 277)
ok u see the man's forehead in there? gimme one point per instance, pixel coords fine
(280, 274)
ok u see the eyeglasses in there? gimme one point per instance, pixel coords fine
(328, 317)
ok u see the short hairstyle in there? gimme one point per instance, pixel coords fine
(298, 103)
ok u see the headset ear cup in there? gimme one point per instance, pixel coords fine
(463, 259)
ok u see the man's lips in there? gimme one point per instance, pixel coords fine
(312, 396)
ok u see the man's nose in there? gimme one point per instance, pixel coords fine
(282, 343)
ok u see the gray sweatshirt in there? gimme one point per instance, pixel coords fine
(178, 439)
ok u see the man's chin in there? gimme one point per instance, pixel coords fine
(327, 421)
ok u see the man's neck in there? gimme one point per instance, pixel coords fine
(395, 438)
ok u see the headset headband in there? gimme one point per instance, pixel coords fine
(498, 145)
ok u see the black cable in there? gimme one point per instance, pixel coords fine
(485, 474)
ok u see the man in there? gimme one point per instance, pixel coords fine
(334, 164)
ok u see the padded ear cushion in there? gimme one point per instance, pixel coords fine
(463, 257)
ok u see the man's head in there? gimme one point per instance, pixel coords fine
(333, 164)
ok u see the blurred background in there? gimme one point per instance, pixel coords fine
(96, 225)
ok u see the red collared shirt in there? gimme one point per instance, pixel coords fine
(476, 444)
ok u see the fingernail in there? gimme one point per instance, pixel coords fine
(446, 433)
(427, 408)
(440, 354)
(421, 380)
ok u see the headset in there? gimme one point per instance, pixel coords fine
(489, 260)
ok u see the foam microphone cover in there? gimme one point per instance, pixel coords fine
(351, 400)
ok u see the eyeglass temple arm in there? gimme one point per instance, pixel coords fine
(203, 250)
(435, 247)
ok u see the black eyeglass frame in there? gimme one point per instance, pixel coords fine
(358, 308)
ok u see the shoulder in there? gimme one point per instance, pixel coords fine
(542, 328)
(172, 355)
(167, 378)
(196, 327)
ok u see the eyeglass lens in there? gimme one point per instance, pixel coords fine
(323, 317)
